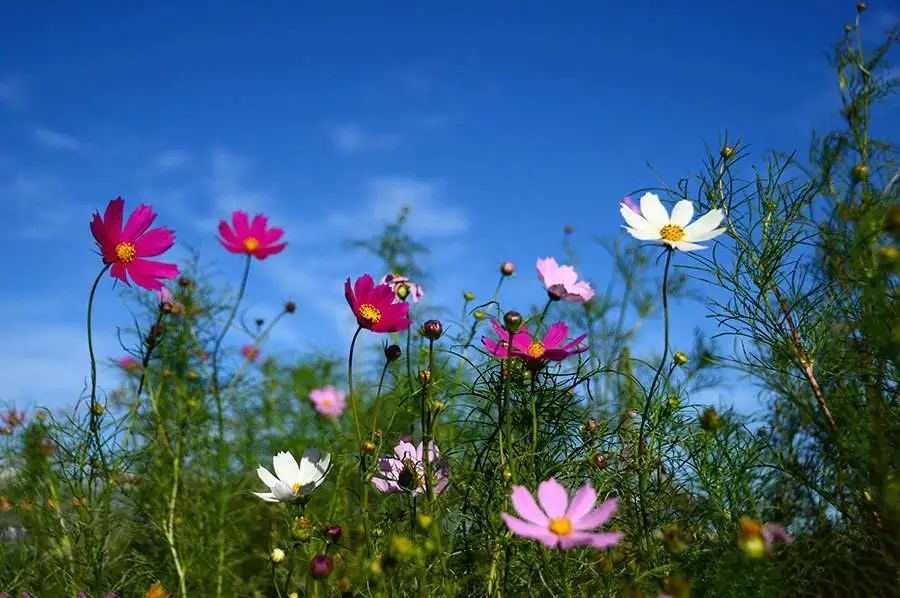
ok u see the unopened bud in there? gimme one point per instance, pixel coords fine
(848, 28)
(424, 376)
(438, 406)
(860, 6)
(592, 425)
(432, 329)
(568, 229)
(392, 352)
(507, 474)
(321, 566)
(97, 408)
(673, 402)
(468, 296)
(302, 529)
(425, 520)
(710, 420)
(184, 281)
(512, 321)
(333, 533)
(860, 172)
(507, 268)
(479, 315)
(599, 461)
(726, 152)
(290, 307)
(680, 358)
(277, 555)
(402, 291)
(368, 447)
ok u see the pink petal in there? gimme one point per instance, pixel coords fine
(598, 516)
(98, 230)
(112, 220)
(348, 294)
(227, 234)
(258, 227)
(553, 497)
(556, 334)
(545, 269)
(573, 346)
(530, 530)
(524, 504)
(522, 342)
(601, 540)
(385, 485)
(264, 252)
(362, 288)
(139, 221)
(154, 242)
(241, 224)
(272, 235)
(494, 348)
(582, 502)
(381, 296)
(118, 271)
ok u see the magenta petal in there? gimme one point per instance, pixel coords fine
(598, 516)
(601, 540)
(112, 220)
(522, 342)
(139, 221)
(362, 288)
(98, 230)
(154, 242)
(241, 224)
(524, 504)
(348, 294)
(118, 271)
(529, 530)
(264, 252)
(553, 498)
(272, 235)
(556, 334)
(227, 234)
(258, 227)
(582, 502)
(381, 295)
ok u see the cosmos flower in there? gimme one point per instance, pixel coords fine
(404, 471)
(291, 480)
(14, 418)
(328, 401)
(374, 306)
(535, 352)
(556, 521)
(562, 282)
(254, 238)
(126, 248)
(403, 287)
(129, 364)
(251, 352)
(629, 203)
(653, 223)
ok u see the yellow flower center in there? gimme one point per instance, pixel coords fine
(672, 232)
(125, 252)
(326, 402)
(296, 487)
(561, 526)
(370, 312)
(251, 244)
(536, 349)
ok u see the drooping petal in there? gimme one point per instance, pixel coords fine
(598, 516)
(653, 210)
(682, 213)
(553, 498)
(524, 504)
(262, 253)
(286, 468)
(348, 294)
(154, 242)
(582, 502)
(138, 222)
(146, 273)
(530, 530)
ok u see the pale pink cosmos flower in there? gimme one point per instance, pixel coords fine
(403, 287)
(328, 401)
(404, 471)
(562, 282)
(557, 521)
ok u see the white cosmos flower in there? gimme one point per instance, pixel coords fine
(653, 223)
(292, 480)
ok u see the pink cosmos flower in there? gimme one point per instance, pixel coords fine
(774, 533)
(403, 287)
(404, 471)
(14, 418)
(328, 401)
(629, 203)
(534, 352)
(251, 352)
(374, 306)
(254, 238)
(129, 363)
(562, 282)
(558, 521)
(125, 248)
(164, 295)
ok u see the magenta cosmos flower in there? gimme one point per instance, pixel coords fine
(254, 238)
(404, 471)
(126, 248)
(251, 352)
(555, 521)
(403, 287)
(562, 282)
(374, 306)
(535, 352)
(328, 401)
(129, 363)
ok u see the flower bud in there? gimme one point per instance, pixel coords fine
(726, 152)
(468, 296)
(321, 566)
(424, 376)
(290, 307)
(432, 329)
(512, 321)
(568, 229)
(599, 461)
(507, 268)
(860, 6)
(333, 533)
(507, 474)
(438, 406)
(710, 420)
(302, 529)
(848, 28)
(402, 291)
(392, 352)
(368, 447)
(592, 425)
(680, 358)
(479, 315)
(860, 172)
(425, 520)
(673, 402)
(184, 281)
(277, 555)
(97, 408)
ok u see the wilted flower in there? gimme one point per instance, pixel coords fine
(374, 306)
(562, 282)
(293, 481)
(559, 522)
(403, 287)
(534, 352)
(126, 248)
(255, 238)
(328, 401)
(404, 471)
(655, 224)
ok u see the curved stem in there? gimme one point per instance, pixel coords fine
(90, 338)
(354, 406)
(378, 397)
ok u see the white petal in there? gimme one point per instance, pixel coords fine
(682, 212)
(286, 468)
(704, 236)
(705, 223)
(313, 466)
(653, 210)
(283, 492)
(643, 234)
(685, 246)
(633, 219)
(266, 496)
(267, 478)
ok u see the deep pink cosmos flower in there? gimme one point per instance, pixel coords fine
(374, 306)
(562, 282)
(125, 248)
(404, 471)
(254, 238)
(403, 287)
(559, 522)
(251, 352)
(129, 363)
(328, 401)
(535, 352)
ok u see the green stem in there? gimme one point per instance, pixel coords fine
(94, 407)
(354, 406)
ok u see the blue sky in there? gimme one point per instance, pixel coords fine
(521, 116)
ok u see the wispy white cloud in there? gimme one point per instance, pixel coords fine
(171, 160)
(350, 138)
(55, 140)
(12, 92)
(44, 200)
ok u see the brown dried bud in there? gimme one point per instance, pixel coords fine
(290, 307)
(185, 281)
(432, 329)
